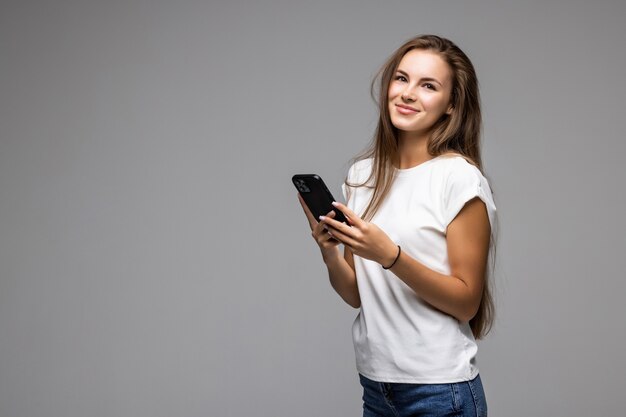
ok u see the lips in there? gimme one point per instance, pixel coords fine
(403, 109)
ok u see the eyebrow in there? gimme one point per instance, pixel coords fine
(421, 79)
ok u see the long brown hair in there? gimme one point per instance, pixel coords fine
(457, 133)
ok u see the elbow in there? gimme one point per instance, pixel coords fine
(468, 306)
(356, 304)
(466, 314)
(464, 318)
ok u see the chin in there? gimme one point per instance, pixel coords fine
(406, 127)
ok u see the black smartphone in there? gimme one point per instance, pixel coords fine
(316, 196)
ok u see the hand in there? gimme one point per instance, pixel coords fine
(319, 232)
(363, 238)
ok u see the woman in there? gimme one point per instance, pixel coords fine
(420, 217)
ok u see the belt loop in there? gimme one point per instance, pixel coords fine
(386, 389)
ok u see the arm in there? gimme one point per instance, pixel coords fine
(340, 269)
(343, 278)
(457, 294)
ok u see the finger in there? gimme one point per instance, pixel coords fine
(312, 220)
(336, 225)
(329, 240)
(321, 230)
(319, 227)
(352, 217)
(324, 238)
(342, 237)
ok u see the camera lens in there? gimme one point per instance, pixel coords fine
(302, 187)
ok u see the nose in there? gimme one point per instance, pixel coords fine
(407, 95)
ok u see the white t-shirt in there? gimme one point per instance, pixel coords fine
(397, 336)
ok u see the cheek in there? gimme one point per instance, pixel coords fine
(433, 101)
(394, 91)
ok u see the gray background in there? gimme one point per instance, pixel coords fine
(154, 260)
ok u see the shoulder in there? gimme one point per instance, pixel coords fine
(455, 161)
(358, 174)
(360, 170)
(460, 177)
(461, 181)
(455, 168)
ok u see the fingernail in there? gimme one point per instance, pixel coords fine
(322, 217)
(335, 203)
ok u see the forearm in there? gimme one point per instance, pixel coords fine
(447, 293)
(467, 244)
(343, 279)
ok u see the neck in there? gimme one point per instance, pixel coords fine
(412, 150)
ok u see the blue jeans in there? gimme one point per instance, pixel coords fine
(381, 399)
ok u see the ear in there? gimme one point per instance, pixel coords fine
(449, 110)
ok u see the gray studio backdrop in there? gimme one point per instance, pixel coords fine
(154, 260)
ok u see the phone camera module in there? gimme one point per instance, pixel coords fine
(302, 187)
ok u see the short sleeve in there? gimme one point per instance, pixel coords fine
(464, 183)
(344, 188)
(356, 196)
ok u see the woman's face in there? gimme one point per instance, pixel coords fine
(420, 91)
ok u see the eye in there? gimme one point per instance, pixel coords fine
(400, 78)
(430, 86)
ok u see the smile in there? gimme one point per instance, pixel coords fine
(405, 109)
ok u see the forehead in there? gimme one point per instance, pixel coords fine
(425, 63)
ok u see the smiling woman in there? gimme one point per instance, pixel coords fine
(417, 240)
(419, 93)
